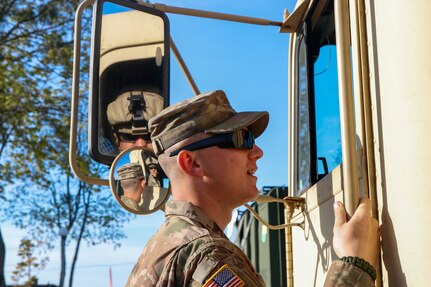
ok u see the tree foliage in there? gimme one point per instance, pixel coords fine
(37, 189)
(84, 210)
(28, 262)
(35, 72)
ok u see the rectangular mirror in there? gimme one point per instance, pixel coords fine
(129, 75)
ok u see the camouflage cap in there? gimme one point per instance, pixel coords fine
(121, 117)
(151, 161)
(207, 113)
(130, 170)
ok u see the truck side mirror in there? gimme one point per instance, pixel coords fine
(137, 181)
(129, 74)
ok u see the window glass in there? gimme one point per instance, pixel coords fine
(304, 160)
(327, 111)
(318, 117)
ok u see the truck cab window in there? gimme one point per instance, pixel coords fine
(318, 117)
(304, 158)
(327, 112)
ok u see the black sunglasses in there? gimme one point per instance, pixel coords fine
(133, 138)
(241, 139)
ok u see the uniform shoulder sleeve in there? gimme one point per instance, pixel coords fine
(219, 262)
(347, 275)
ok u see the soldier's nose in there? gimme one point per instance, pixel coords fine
(140, 142)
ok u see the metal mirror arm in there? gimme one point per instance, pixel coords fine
(210, 14)
(184, 68)
(290, 204)
(205, 14)
(75, 100)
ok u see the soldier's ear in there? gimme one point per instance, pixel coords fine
(186, 160)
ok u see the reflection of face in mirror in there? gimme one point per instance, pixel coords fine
(153, 175)
(131, 60)
(137, 181)
(152, 178)
(132, 81)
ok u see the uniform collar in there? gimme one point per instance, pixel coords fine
(187, 209)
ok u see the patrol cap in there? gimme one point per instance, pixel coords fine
(208, 113)
(151, 161)
(152, 165)
(122, 117)
(130, 170)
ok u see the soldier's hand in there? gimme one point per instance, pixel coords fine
(358, 235)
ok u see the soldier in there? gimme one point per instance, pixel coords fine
(196, 142)
(128, 115)
(153, 176)
(132, 181)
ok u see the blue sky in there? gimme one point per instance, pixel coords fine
(249, 63)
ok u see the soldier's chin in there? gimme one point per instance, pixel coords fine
(253, 194)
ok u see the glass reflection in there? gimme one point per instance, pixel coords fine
(137, 181)
(131, 86)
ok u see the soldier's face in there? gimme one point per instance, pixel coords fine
(231, 172)
(153, 171)
(127, 141)
(139, 142)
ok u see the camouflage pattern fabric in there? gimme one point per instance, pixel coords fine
(190, 248)
(209, 113)
(152, 181)
(120, 117)
(187, 250)
(130, 203)
(343, 274)
(130, 170)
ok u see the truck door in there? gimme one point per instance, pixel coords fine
(316, 133)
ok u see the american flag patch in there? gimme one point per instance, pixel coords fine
(224, 277)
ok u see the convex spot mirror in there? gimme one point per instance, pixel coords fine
(137, 181)
(129, 75)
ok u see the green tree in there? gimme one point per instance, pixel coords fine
(41, 195)
(34, 48)
(28, 262)
(70, 205)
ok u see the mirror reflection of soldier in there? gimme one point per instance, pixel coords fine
(128, 115)
(132, 181)
(153, 177)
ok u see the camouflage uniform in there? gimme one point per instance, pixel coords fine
(343, 274)
(130, 203)
(187, 250)
(130, 171)
(152, 181)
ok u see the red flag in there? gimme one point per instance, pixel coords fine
(110, 276)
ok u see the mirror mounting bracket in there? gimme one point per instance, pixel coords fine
(210, 14)
(75, 100)
(291, 204)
